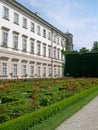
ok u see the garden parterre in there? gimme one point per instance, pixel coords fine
(37, 93)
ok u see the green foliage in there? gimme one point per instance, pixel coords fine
(35, 117)
(95, 47)
(81, 64)
(84, 50)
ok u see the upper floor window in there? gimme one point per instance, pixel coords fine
(5, 38)
(54, 38)
(38, 30)
(49, 36)
(58, 54)
(5, 13)
(58, 40)
(44, 50)
(16, 18)
(32, 46)
(38, 49)
(24, 23)
(32, 27)
(62, 42)
(49, 52)
(24, 43)
(54, 53)
(44, 33)
(15, 41)
(62, 57)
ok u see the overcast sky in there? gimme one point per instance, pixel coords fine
(79, 17)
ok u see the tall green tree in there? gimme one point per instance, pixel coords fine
(95, 47)
(84, 50)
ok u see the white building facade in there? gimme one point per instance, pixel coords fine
(30, 47)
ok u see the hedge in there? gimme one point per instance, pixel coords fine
(27, 120)
(79, 65)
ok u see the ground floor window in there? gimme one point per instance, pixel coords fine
(24, 70)
(50, 71)
(54, 72)
(38, 71)
(32, 70)
(44, 71)
(15, 69)
(4, 69)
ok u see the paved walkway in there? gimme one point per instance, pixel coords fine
(85, 119)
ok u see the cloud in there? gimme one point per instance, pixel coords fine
(78, 16)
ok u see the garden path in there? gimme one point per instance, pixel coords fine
(85, 119)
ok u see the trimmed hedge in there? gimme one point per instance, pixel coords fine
(13, 102)
(25, 121)
(79, 65)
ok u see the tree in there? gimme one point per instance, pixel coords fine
(84, 50)
(95, 47)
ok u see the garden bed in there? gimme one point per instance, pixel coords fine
(36, 94)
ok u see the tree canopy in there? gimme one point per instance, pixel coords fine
(95, 47)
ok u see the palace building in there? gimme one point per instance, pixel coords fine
(30, 47)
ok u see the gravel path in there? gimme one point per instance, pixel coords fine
(85, 119)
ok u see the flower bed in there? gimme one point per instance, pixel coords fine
(39, 93)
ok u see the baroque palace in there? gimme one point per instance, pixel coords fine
(30, 47)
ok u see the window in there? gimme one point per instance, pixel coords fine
(38, 30)
(24, 23)
(32, 46)
(54, 38)
(38, 71)
(44, 50)
(58, 71)
(58, 40)
(24, 70)
(54, 72)
(15, 41)
(50, 71)
(32, 27)
(62, 42)
(44, 33)
(32, 70)
(4, 69)
(38, 48)
(5, 38)
(49, 36)
(58, 54)
(24, 40)
(49, 52)
(14, 69)
(5, 13)
(16, 18)
(44, 71)
(62, 57)
(54, 53)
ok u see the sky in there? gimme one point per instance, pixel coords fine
(79, 17)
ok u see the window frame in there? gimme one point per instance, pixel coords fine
(16, 18)
(24, 22)
(5, 13)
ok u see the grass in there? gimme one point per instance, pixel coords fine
(52, 122)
